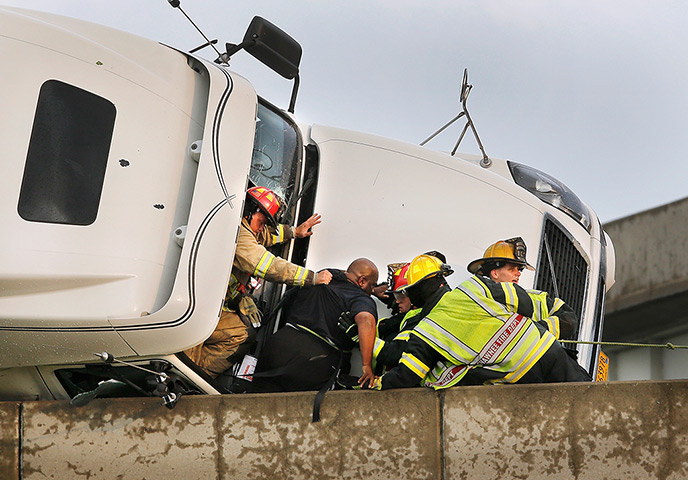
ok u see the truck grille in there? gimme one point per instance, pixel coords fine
(558, 253)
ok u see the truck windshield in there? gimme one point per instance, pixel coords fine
(276, 153)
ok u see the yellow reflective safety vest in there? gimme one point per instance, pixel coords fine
(389, 352)
(543, 313)
(555, 315)
(469, 329)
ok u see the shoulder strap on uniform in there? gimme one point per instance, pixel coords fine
(269, 322)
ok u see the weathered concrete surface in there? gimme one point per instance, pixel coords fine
(119, 439)
(9, 441)
(361, 434)
(614, 430)
(621, 430)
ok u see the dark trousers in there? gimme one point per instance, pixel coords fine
(556, 366)
(294, 361)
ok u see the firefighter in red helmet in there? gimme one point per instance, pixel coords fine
(394, 332)
(240, 317)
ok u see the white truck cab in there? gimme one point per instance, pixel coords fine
(123, 179)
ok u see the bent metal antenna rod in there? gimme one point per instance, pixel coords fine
(176, 4)
(465, 90)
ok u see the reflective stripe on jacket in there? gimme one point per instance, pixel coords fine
(253, 259)
(389, 352)
(555, 315)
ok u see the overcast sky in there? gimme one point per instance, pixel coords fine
(592, 92)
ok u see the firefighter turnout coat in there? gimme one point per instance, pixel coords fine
(253, 259)
(468, 330)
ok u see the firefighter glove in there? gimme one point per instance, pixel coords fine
(376, 384)
(347, 325)
(248, 309)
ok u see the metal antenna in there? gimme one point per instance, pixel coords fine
(176, 4)
(465, 90)
(202, 46)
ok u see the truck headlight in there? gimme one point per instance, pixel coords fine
(552, 191)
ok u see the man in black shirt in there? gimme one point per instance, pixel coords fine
(310, 349)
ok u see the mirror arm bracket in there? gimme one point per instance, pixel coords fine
(294, 92)
(232, 49)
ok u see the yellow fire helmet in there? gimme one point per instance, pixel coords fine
(512, 250)
(423, 267)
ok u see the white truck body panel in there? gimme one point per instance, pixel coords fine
(120, 282)
(392, 201)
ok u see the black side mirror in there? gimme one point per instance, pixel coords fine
(273, 47)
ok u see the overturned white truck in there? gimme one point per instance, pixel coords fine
(123, 176)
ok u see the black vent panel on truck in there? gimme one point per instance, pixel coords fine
(558, 254)
(67, 156)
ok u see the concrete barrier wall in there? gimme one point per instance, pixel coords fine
(9, 440)
(616, 430)
(622, 430)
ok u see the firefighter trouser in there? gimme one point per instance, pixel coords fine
(213, 355)
(556, 366)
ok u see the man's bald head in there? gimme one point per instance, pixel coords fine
(363, 273)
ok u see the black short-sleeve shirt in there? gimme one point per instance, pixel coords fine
(319, 307)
